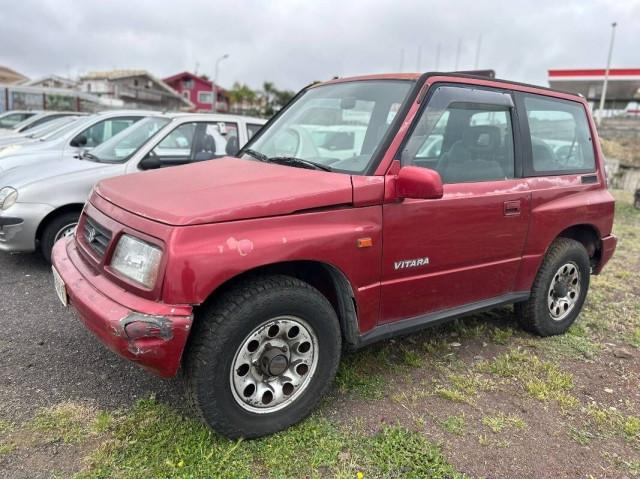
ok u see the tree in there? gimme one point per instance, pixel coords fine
(269, 90)
(265, 103)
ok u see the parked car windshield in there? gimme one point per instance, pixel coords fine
(42, 131)
(66, 128)
(12, 118)
(125, 144)
(337, 126)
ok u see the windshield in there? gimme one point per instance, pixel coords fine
(338, 126)
(66, 128)
(41, 131)
(123, 146)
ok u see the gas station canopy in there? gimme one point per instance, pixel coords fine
(623, 84)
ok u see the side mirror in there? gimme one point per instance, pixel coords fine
(79, 141)
(418, 183)
(150, 162)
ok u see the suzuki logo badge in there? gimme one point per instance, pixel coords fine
(91, 234)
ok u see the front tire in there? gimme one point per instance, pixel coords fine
(262, 356)
(57, 228)
(559, 290)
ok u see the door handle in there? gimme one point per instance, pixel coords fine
(512, 208)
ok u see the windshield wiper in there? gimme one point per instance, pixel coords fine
(256, 154)
(293, 161)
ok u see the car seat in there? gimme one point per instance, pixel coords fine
(207, 149)
(474, 157)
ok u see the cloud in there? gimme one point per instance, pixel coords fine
(295, 42)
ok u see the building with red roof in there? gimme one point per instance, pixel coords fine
(199, 91)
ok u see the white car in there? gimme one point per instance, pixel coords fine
(11, 118)
(68, 141)
(36, 120)
(41, 202)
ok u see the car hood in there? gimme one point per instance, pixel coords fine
(27, 174)
(25, 157)
(226, 189)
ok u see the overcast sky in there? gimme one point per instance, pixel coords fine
(295, 42)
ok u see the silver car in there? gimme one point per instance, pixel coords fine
(40, 132)
(40, 203)
(36, 120)
(67, 142)
(11, 118)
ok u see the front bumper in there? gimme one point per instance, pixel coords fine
(606, 252)
(154, 338)
(19, 224)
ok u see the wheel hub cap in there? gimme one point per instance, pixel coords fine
(564, 291)
(274, 364)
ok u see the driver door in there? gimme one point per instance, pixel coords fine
(465, 247)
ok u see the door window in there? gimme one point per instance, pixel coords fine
(464, 134)
(561, 141)
(197, 141)
(178, 143)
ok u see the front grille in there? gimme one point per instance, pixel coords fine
(96, 236)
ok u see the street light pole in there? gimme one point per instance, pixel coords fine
(606, 74)
(215, 83)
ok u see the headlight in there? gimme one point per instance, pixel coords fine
(137, 260)
(8, 197)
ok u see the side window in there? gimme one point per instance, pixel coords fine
(464, 134)
(252, 129)
(218, 137)
(560, 136)
(103, 130)
(178, 143)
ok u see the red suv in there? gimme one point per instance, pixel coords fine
(368, 207)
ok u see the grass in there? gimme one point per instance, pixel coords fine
(154, 441)
(65, 422)
(5, 426)
(501, 336)
(612, 422)
(463, 388)
(541, 379)
(581, 436)
(454, 424)
(357, 375)
(396, 452)
(6, 448)
(502, 421)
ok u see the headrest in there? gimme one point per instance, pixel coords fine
(484, 137)
(208, 143)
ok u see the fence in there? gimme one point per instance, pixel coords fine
(16, 97)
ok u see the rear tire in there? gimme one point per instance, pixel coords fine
(559, 290)
(57, 228)
(262, 356)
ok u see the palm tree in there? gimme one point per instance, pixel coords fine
(269, 91)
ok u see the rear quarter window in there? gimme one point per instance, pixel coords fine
(561, 141)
